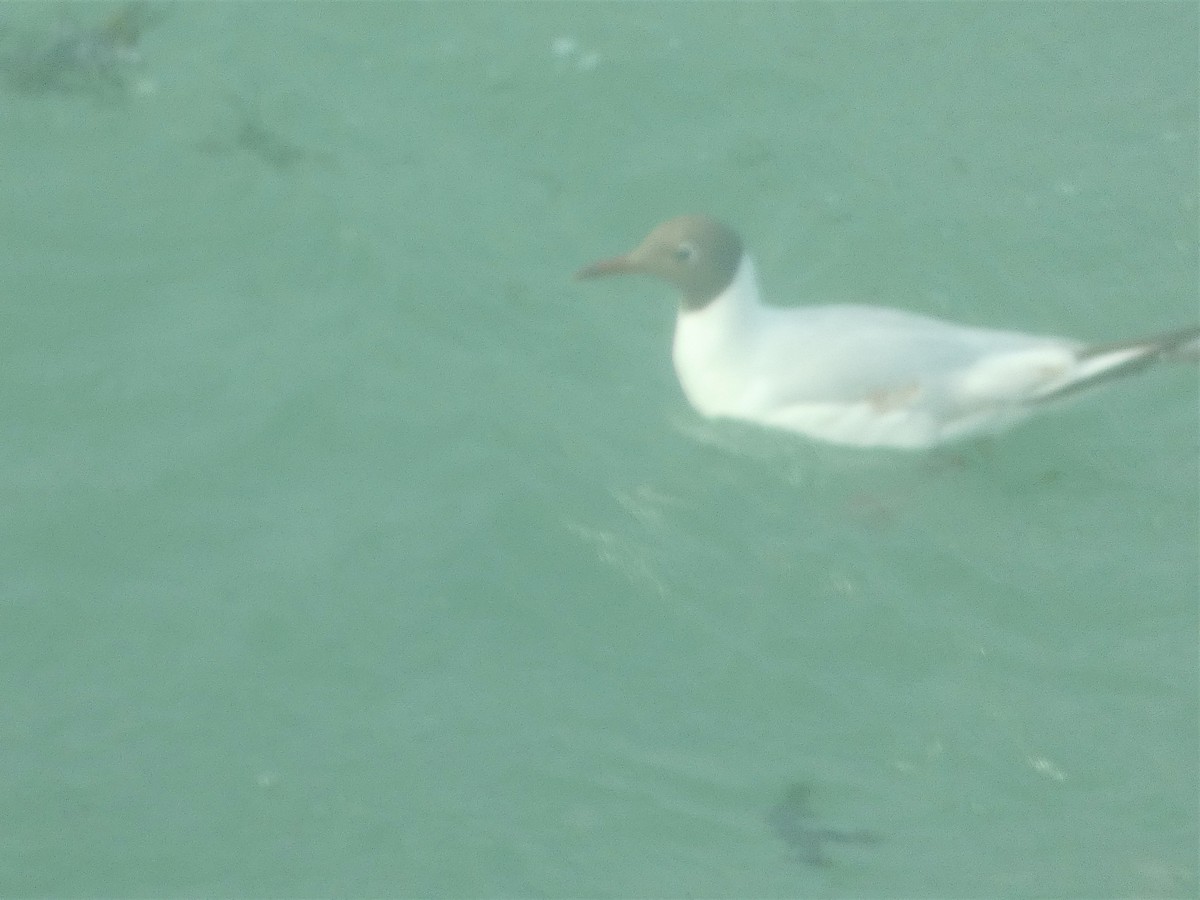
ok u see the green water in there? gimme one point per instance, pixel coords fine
(349, 548)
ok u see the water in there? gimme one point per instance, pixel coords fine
(349, 548)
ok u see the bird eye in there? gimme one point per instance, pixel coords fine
(685, 252)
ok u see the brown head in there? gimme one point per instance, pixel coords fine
(696, 254)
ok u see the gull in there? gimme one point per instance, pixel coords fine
(862, 376)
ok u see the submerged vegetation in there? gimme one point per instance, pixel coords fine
(103, 60)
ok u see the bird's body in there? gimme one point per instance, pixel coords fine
(857, 375)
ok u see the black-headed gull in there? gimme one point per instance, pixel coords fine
(858, 375)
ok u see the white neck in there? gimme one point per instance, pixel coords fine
(712, 344)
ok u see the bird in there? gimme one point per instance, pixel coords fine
(857, 375)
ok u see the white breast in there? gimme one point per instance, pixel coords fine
(714, 348)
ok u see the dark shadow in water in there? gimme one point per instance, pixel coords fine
(792, 821)
(251, 134)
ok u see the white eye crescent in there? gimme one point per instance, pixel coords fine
(685, 252)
